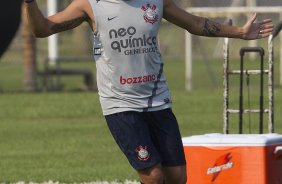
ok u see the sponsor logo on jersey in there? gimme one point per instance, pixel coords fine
(137, 79)
(111, 18)
(125, 40)
(150, 13)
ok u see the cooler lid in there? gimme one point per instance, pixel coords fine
(217, 139)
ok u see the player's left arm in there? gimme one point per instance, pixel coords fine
(205, 27)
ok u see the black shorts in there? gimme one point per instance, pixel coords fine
(148, 138)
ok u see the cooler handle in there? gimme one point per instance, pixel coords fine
(278, 152)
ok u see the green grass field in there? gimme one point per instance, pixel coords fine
(62, 136)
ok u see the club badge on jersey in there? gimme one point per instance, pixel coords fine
(150, 13)
(143, 153)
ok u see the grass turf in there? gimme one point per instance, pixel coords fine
(63, 136)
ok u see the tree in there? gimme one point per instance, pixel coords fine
(29, 55)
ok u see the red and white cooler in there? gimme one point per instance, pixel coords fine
(234, 158)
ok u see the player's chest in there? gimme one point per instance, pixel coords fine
(143, 15)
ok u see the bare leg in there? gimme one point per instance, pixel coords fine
(175, 175)
(152, 175)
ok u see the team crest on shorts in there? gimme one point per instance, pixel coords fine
(150, 13)
(143, 153)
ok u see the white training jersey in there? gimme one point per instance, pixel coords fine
(128, 61)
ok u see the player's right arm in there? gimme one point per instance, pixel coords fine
(72, 16)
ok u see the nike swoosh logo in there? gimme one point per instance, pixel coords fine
(111, 18)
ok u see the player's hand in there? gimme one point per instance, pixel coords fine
(256, 30)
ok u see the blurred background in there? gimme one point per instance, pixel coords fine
(51, 124)
(28, 57)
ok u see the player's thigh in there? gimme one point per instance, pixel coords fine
(132, 135)
(166, 137)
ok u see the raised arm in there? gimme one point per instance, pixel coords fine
(73, 15)
(204, 27)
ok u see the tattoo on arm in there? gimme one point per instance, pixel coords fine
(68, 24)
(211, 28)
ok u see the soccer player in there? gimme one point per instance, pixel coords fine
(133, 92)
